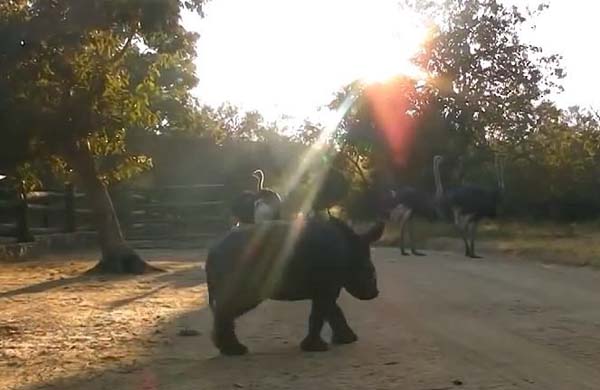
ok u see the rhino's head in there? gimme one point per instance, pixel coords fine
(361, 277)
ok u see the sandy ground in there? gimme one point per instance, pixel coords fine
(441, 322)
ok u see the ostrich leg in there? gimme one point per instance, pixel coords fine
(411, 231)
(460, 222)
(464, 234)
(402, 234)
(402, 214)
(472, 228)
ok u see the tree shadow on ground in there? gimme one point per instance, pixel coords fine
(126, 301)
(48, 285)
(183, 278)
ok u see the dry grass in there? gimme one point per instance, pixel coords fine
(574, 244)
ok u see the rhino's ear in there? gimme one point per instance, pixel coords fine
(374, 233)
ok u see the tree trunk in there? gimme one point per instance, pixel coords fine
(117, 256)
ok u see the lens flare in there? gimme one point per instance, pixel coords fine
(315, 152)
(390, 105)
(260, 232)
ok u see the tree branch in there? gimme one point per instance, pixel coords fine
(121, 53)
(357, 167)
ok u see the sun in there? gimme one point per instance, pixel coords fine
(289, 58)
(396, 36)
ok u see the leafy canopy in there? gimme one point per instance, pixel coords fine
(78, 73)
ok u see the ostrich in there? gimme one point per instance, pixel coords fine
(243, 207)
(253, 207)
(469, 204)
(402, 205)
(267, 205)
(333, 188)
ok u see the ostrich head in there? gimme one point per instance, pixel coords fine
(259, 175)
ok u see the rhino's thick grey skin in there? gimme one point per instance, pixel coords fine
(288, 261)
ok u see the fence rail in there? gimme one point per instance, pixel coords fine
(169, 211)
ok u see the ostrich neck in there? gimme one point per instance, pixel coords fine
(260, 181)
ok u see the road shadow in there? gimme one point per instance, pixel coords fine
(183, 278)
(175, 278)
(126, 301)
(48, 285)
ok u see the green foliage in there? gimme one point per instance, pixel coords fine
(486, 79)
(88, 73)
(557, 170)
(484, 83)
(227, 122)
(485, 96)
(27, 178)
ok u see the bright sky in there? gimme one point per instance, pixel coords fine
(571, 28)
(289, 57)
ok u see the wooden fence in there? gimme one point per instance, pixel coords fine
(25, 215)
(178, 212)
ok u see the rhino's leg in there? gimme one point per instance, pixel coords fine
(313, 341)
(224, 336)
(342, 333)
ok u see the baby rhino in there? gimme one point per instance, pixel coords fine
(290, 261)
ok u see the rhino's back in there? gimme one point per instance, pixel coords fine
(281, 260)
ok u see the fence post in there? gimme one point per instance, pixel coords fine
(70, 225)
(23, 233)
(45, 217)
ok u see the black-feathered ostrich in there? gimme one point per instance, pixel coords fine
(242, 207)
(254, 207)
(401, 206)
(469, 204)
(330, 191)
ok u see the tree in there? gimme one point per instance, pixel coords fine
(487, 80)
(229, 122)
(380, 127)
(481, 95)
(564, 153)
(77, 76)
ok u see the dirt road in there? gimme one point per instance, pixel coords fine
(441, 322)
